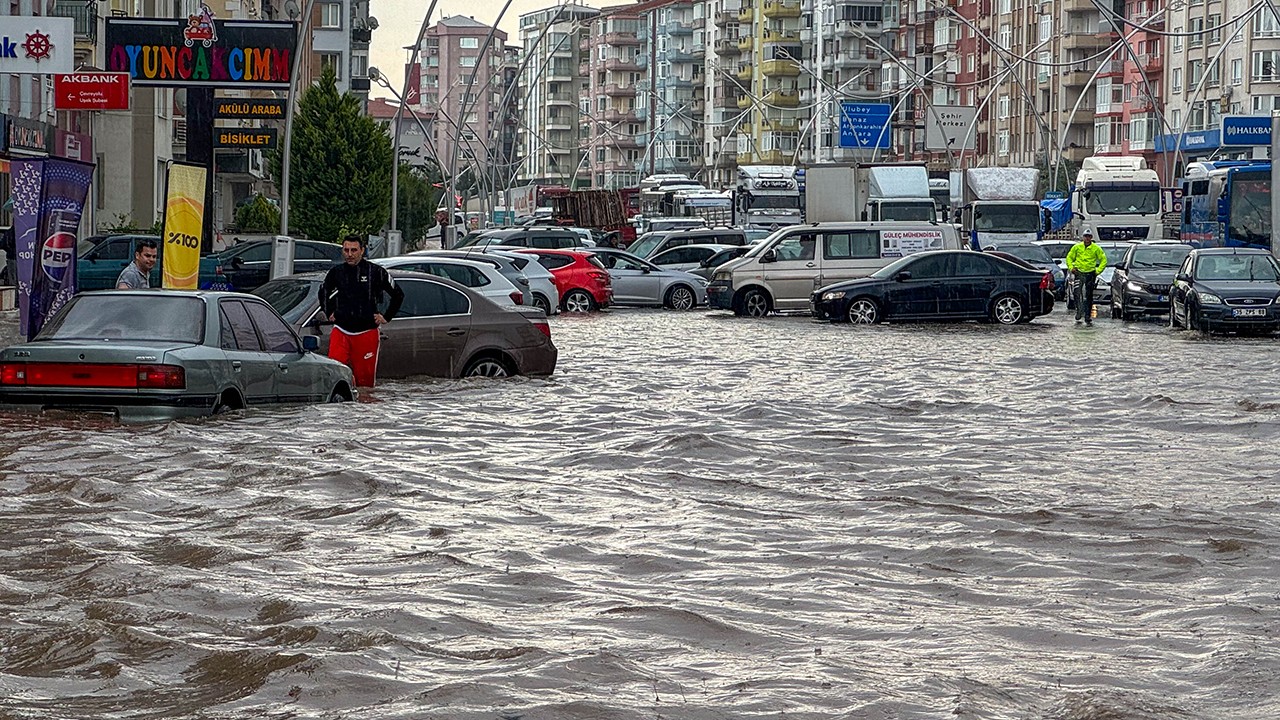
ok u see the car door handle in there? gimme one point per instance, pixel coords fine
(455, 332)
(283, 366)
(809, 265)
(235, 365)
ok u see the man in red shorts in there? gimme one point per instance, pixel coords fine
(350, 295)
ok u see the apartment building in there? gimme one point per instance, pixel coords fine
(722, 88)
(551, 133)
(851, 46)
(672, 98)
(340, 34)
(772, 73)
(611, 115)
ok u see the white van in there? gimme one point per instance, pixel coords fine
(782, 272)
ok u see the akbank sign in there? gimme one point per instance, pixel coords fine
(1246, 130)
(36, 45)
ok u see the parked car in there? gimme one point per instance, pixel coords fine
(943, 285)
(688, 258)
(663, 224)
(443, 329)
(640, 282)
(542, 285)
(481, 277)
(1226, 289)
(781, 272)
(652, 243)
(1143, 278)
(1038, 256)
(1115, 252)
(707, 268)
(142, 355)
(246, 265)
(512, 272)
(546, 238)
(581, 279)
(99, 267)
(1057, 250)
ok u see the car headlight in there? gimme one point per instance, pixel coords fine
(1209, 298)
(725, 276)
(833, 295)
(1132, 286)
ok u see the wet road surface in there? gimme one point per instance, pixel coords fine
(698, 517)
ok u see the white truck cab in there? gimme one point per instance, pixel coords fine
(780, 273)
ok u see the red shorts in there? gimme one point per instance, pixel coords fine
(358, 351)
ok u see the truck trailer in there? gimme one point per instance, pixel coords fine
(852, 192)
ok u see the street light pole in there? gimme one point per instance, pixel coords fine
(304, 26)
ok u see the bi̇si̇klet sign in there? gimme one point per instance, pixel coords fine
(200, 51)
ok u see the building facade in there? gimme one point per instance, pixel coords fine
(611, 111)
(552, 134)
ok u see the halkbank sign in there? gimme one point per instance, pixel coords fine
(201, 51)
(1246, 130)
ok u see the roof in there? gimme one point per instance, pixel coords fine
(1231, 251)
(462, 21)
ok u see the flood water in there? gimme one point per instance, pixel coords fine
(697, 517)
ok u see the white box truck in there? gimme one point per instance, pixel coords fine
(868, 192)
(1000, 205)
(1118, 197)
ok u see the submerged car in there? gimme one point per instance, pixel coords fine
(640, 282)
(1226, 289)
(246, 265)
(1143, 278)
(141, 355)
(581, 280)
(1115, 252)
(442, 330)
(940, 285)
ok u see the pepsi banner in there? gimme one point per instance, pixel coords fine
(48, 200)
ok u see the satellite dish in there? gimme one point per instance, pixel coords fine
(291, 9)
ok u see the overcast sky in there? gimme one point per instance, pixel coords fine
(399, 20)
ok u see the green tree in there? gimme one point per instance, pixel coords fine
(258, 215)
(340, 176)
(416, 211)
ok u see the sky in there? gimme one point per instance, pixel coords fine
(399, 21)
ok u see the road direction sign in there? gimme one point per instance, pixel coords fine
(949, 127)
(91, 91)
(865, 125)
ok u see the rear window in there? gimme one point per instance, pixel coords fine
(291, 298)
(111, 316)
(596, 261)
(553, 262)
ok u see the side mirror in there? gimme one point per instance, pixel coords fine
(310, 343)
(902, 276)
(769, 256)
(645, 269)
(1183, 277)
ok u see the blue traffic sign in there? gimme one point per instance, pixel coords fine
(1246, 130)
(865, 125)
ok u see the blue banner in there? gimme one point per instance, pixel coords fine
(47, 246)
(27, 183)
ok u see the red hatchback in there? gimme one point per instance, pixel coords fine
(581, 279)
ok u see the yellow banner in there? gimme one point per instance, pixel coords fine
(183, 224)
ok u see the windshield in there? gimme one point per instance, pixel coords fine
(142, 317)
(1115, 253)
(1240, 268)
(1030, 253)
(646, 244)
(1250, 219)
(775, 202)
(1007, 218)
(892, 268)
(291, 298)
(914, 210)
(1103, 202)
(1170, 256)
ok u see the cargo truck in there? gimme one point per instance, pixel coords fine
(766, 196)
(1001, 206)
(868, 192)
(1118, 197)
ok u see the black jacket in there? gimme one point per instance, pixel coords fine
(351, 293)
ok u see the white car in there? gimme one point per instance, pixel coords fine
(481, 277)
(542, 286)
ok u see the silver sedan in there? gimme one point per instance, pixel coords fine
(639, 282)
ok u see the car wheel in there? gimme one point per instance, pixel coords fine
(486, 367)
(863, 311)
(681, 297)
(754, 303)
(1008, 310)
(1198, 321)
(578, 301)
(337, 396)
(542, 303)
(228, 401)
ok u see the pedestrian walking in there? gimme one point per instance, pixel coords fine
(137, 274)
(1085, 260)
(350, 295)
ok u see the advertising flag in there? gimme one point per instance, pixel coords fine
(26, 175)
(64, 189)
(183, 226)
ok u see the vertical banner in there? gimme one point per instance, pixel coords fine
(64, 189)
(27, 183)
(183, 226)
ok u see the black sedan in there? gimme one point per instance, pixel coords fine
(1226, 289)
(1142, 279)
(246, 265)
(941, 285)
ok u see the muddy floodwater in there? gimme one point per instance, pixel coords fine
(698, 517)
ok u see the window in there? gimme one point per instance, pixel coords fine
(1265, 24)
(1175, 120)
(1006, 36)
(973, 264)
(1003, 107)
(1046, 27)
(1177, 79)
(1213, 78)
(1005, 7)
(1266, 103)
(1215, 29)
(226, 338)
(1002, 142)
(276, 336)
(796, 248)
(553, 262)
(1177, 39)
(1197, 29)
(1266, 66)
(428, 299)
(1195, 117)
(245, 338)
(468, 43)
(934, 266)
(468, 61)
(331, 15)
(850, 245)
(256, 252)
(333, 61)
(1195, 71)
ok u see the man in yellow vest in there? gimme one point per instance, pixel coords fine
(1084, 261)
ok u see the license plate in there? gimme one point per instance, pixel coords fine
(1250, 312)
(1162, 298)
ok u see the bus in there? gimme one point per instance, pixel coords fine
(1227, 203)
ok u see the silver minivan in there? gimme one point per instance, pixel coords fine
(782, 272)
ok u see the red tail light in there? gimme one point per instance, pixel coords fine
(517, 297)
(600, 277)
(94, 375)
(1046, 282)
(543, 326)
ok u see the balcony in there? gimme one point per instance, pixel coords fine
(780, 68)
(787, 126)
(584, 69)
(1151, 63)
(1141, 103)
(84, 19)
(1076, 76)
(924, 48)
(625, 142)
(619, 64)
(557, 72)
(773, 157)
(620, 116)
(676, 27)
(745, 102)
(727, 47)
(745, 43)
(777, 9)
(560, 122)
(783, 98)
(853, 58)
(725, 102)
(615, 90)
(1084, 42)
(723, 18)
(849, 28)
(560, 98)
(773, 36)
(746, 14)
(1111, 67)
(621, 38)
(681, 55)
(745, 73)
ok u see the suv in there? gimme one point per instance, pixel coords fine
(652, 243)
(541, 238)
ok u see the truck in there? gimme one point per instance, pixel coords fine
(603, 210)
(766, 196)
(1118, 198)
(1001, 205)
(852, 192)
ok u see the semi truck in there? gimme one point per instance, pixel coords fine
(851, 192)
(1118, 197)
(766, 196)
(1001, 205)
